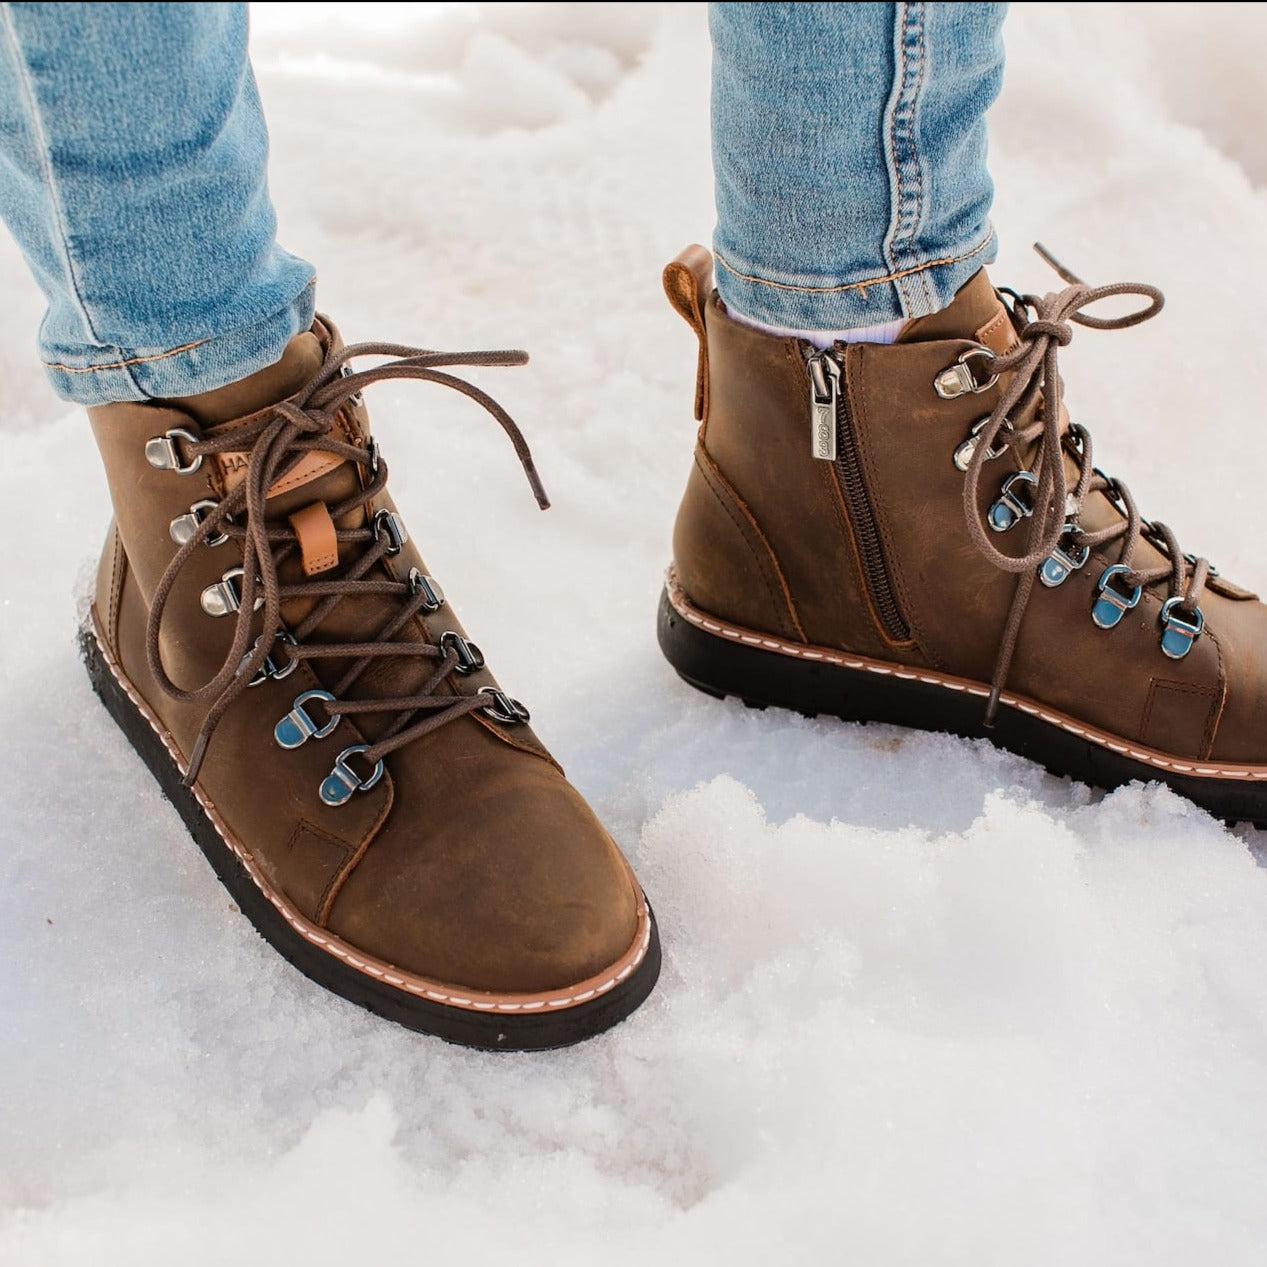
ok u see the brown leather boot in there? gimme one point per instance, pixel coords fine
(918, 534)
(268, 638)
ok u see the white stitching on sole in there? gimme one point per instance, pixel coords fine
(415, 985)
(682, 605)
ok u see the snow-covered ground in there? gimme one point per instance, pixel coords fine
(921, 1003)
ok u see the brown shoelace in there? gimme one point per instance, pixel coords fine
(279, 439)
(1035, 387)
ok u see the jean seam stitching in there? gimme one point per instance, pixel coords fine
(44, 154)
(898, 211)
(870, 281)
(919, 166)
(118, 365)
(908, 209)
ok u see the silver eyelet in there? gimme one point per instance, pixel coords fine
(470, 657)
(429, 587)
(1111, 490)
(1112, 604)
(338, 786)
(271, 668)
(503, 708)
(162, 454)
(224, 597)
(387, 521)
(963, 454)
(958, 379)
(346, 371)
(1064, 560)
(297, 727)
(1191, 560)
(184, 526)
(1177, 634)
(1011, 508)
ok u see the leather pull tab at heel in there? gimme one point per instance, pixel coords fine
(688, 282)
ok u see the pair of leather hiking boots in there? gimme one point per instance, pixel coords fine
(913, 533)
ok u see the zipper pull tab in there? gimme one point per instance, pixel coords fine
(824, 397)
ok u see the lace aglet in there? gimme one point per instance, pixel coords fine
(1053, 263)
(534, 481)
(991, 710)
(501, 359)
(195, 761)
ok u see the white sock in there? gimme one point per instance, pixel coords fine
(885, 332)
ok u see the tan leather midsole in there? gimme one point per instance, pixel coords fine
(907, 673)
(437, 992)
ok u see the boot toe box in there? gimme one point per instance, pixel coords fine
(504, 882)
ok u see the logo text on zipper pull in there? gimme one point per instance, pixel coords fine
(824, 396)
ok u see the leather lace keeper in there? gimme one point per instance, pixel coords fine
(318, 542)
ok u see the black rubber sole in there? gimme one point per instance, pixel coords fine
(722, 668)
(531, 1031)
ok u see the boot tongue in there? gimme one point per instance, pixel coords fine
(976, 313)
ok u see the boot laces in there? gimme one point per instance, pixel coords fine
(1044, 326)
(277, 441)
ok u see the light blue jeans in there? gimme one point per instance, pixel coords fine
(849, 149)
(133, 157)
(849, 153)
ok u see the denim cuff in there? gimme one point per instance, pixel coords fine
(815, 303)
(108, 375)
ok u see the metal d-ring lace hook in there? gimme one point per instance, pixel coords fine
(963, 454)
(339, 785)
(1069, 556)
(1178, 634)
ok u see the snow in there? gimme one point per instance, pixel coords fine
(921, 1002)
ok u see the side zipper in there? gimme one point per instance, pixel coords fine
(833, 440)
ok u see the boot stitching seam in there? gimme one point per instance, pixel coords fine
(1185, 688)
(304, 827)
(118, 574)
(1213, 728)
(713, 470)
(756, 558)
(682, 606)
(341, 876)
